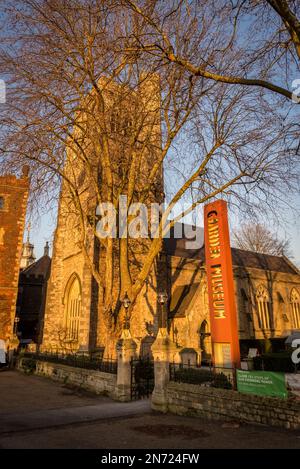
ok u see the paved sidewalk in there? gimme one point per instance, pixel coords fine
(23, 393)
(75, 415)
(32, 402)
(37, 413)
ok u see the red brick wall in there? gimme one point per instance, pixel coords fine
(14, 191)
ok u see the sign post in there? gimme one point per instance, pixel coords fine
(221, 294)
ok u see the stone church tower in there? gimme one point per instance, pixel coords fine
(75, 317)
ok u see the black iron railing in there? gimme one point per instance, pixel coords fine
(77, 360)
(206, 376)
(142, 378)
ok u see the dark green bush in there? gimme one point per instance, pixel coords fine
(221, 381)
(198, 376)
(193, 375)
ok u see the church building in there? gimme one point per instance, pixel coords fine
(32, 290)
(267, 288)
(267, 296)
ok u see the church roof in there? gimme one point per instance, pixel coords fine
(40, 267)
(262, 261)
(240, 257)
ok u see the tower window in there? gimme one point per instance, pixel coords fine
(2, 203)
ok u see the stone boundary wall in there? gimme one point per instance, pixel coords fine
(91, 380)
(222, 404)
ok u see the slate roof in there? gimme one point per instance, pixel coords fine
(40, 267)
(257, 260)
(241, 258)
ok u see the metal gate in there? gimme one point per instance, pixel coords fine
(142, 378)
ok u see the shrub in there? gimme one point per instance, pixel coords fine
(221, 381)
(198, 376)
(193, 375)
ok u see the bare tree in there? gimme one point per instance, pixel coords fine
(288, 12)
(95, 115)
(258, 238)
(263, 36)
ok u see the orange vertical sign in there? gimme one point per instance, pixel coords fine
(221, 294)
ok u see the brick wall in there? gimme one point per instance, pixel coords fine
(221, 404)
(14, 193)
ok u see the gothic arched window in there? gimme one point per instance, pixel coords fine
(295, 303)
(263, 307)
(205, 341)
(73, 307)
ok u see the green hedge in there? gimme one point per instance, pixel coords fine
(198, 376)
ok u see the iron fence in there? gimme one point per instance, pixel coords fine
(216, 377)
(77, 360)
(142, 378)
